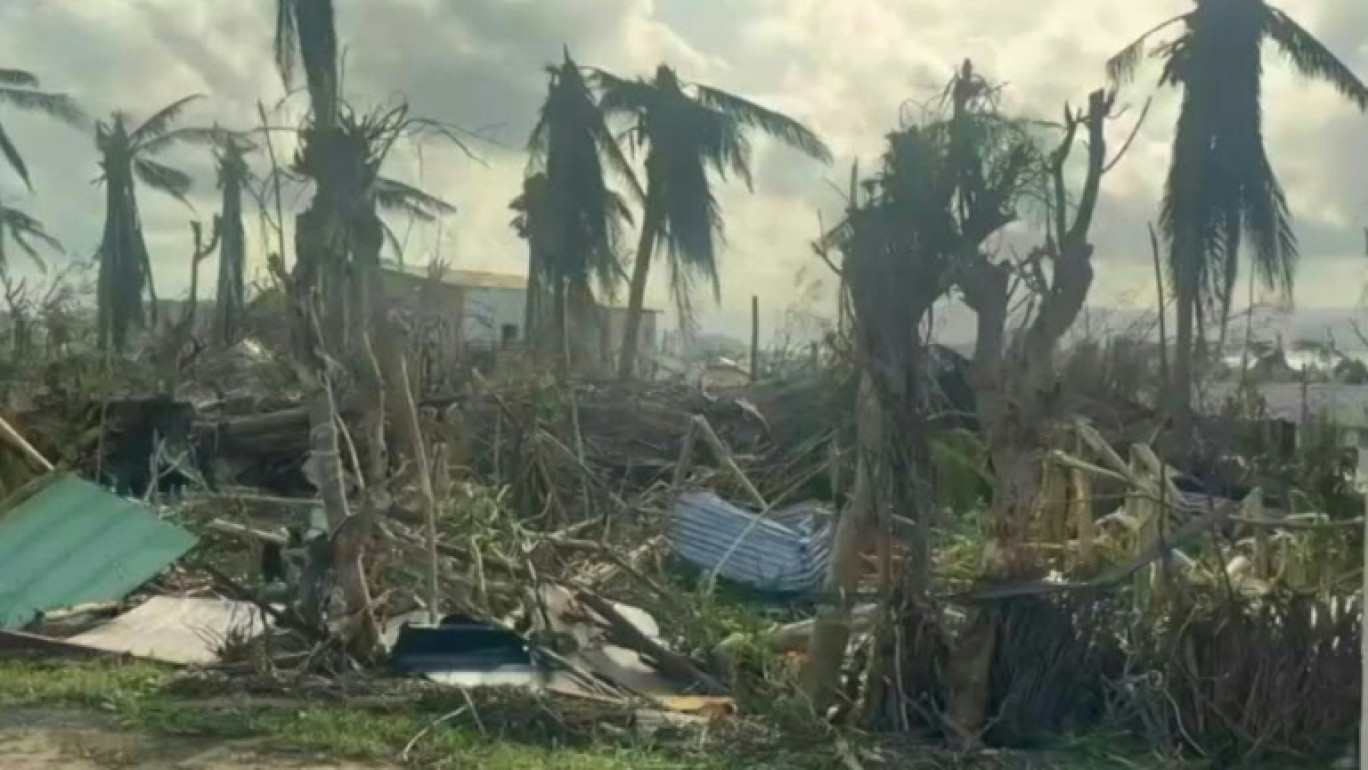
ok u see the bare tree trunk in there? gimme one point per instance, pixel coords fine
(755, 339)
(231, 289)
(325, 455)
(1363, 649)
(414, 435)
(560, 327)
(1164, 374)
(1180, 394)
(636, 297)
(1016, 391)
(985, 288)
(831, 629)
(532, 310)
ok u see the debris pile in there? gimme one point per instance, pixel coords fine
(658, 549)
(564, 539)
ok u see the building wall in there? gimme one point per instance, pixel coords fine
(492, 313)
(421, 295)
(488, 313)
(617, 329)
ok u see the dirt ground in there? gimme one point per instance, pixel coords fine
(32, 739)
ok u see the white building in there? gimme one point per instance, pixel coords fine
(491, 307)
(1344, 405)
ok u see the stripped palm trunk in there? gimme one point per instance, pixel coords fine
(636, 296)
(832, 628)
(232, 290)
(123, 264)
(894, 277)
(1363, 650)
(319, 287)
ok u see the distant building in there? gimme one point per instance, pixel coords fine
(492, 307)
(723, 374)
(1346, 406)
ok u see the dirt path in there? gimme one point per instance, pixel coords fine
(35, 739)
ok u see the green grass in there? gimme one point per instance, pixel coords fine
(511, 734)
(141, 697)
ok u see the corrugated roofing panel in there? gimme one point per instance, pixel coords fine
(76, 543)
(786, 551)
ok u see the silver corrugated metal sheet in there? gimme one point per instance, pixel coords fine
(785, 551)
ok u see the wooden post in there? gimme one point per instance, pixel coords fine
(755, 338)
(16, 441)
(1363, 648)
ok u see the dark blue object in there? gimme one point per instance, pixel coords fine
(459, 643)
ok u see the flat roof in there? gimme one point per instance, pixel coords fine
(474, 279)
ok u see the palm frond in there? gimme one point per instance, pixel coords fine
(200, 136)
(17, 221)
(18, 78)
(163, 178)
(285, 40)
(621, 97)
(28, 249)
(750, 114)
(393, 240)
(59, 106)
(693, 221)
(1312, 59)
(1122, 67)
(608, 144)
(393, 195)
(572, 91)
(721, 144)
(21, 227)
(1269, 223)
(160, 123)
(13, 157)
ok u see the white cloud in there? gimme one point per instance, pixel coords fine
(843, 66)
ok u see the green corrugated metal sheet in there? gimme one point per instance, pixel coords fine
(74, 543)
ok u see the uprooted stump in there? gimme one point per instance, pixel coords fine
(1214, 675)
(1054, 661)
(1232, 678)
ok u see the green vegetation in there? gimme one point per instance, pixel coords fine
(154, 700)
(145, 697)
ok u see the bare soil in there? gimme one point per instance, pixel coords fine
(38, 739)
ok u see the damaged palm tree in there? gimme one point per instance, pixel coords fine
(570, 217)
(1015, 379)
(308, 27)
(687, 130)
(334, 289)
(947, 186)
(350, 159)
(529, 222)
(1222, 192)
(231, 297)
(125, 268)
(900, 246)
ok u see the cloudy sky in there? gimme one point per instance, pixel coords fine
(842, 66)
